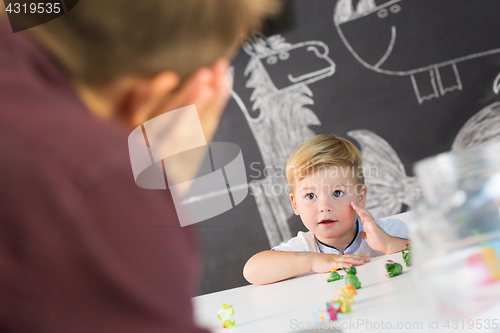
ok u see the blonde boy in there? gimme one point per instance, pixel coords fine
(327, 191)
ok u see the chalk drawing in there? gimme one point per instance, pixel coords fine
(496, 84)
(431, 75)
(388, 185)
(481, 128)
(279, 119)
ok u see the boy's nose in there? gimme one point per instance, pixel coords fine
(324, 208)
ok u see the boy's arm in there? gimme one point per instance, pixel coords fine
(272, 266)
(376, 237)
(396, 244)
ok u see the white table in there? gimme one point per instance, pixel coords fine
(382, 305)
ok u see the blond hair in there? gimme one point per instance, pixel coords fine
(101, 40)
(323, 151)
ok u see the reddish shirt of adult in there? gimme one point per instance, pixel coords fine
(82, 247)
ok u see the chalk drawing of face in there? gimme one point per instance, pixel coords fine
(313, 58)
(421, 39)
(279, 60)
(369, 32)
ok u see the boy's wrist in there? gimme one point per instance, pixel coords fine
(305, 260)
(383, 245)
(313, 259)
(395, 244)
(388, 249)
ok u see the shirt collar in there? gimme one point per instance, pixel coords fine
(356, 242)
(350, 249)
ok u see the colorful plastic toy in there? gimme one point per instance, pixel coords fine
(224, 314)
(334, 276)
(393, 268)
(345, 298)
(352, 278)
(331, 313)
(340, 304)
(406, 255)
(491, 258)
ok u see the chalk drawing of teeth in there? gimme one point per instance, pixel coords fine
(388, 185)
(382, 37)
(279, 119)
(481, 128)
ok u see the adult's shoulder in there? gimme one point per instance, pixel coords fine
(44, 118)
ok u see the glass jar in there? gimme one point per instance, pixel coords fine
(456, 233)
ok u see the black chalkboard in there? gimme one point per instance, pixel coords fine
(402, 79)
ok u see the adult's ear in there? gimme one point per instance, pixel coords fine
(145, 95)
(207, 88)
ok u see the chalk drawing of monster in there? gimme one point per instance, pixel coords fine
(279, 119)
(421, 39)
(388, 185)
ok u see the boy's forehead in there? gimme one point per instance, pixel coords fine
(340, 175)
(333, 172)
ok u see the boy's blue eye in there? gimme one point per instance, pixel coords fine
(310, 196)
(338, 193)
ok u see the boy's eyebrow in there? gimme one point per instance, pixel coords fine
(307, 188)
(304, 188)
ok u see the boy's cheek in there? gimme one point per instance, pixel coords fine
(346, 210)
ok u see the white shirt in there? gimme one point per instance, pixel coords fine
(306, 241)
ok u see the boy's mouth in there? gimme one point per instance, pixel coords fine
(327, 222)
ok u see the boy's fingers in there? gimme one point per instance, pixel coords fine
(357, 261)
(359, 210)
(346, 265)
(361, 219)
(356, 207)
(364, 215)
(355, 256)
(362, 260)
(362, 211)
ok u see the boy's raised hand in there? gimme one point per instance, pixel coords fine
(324, 262)
(376, 238)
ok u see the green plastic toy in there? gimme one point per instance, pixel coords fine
(393, 268)
(406, 255)
(334, 276)
(352, 278)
